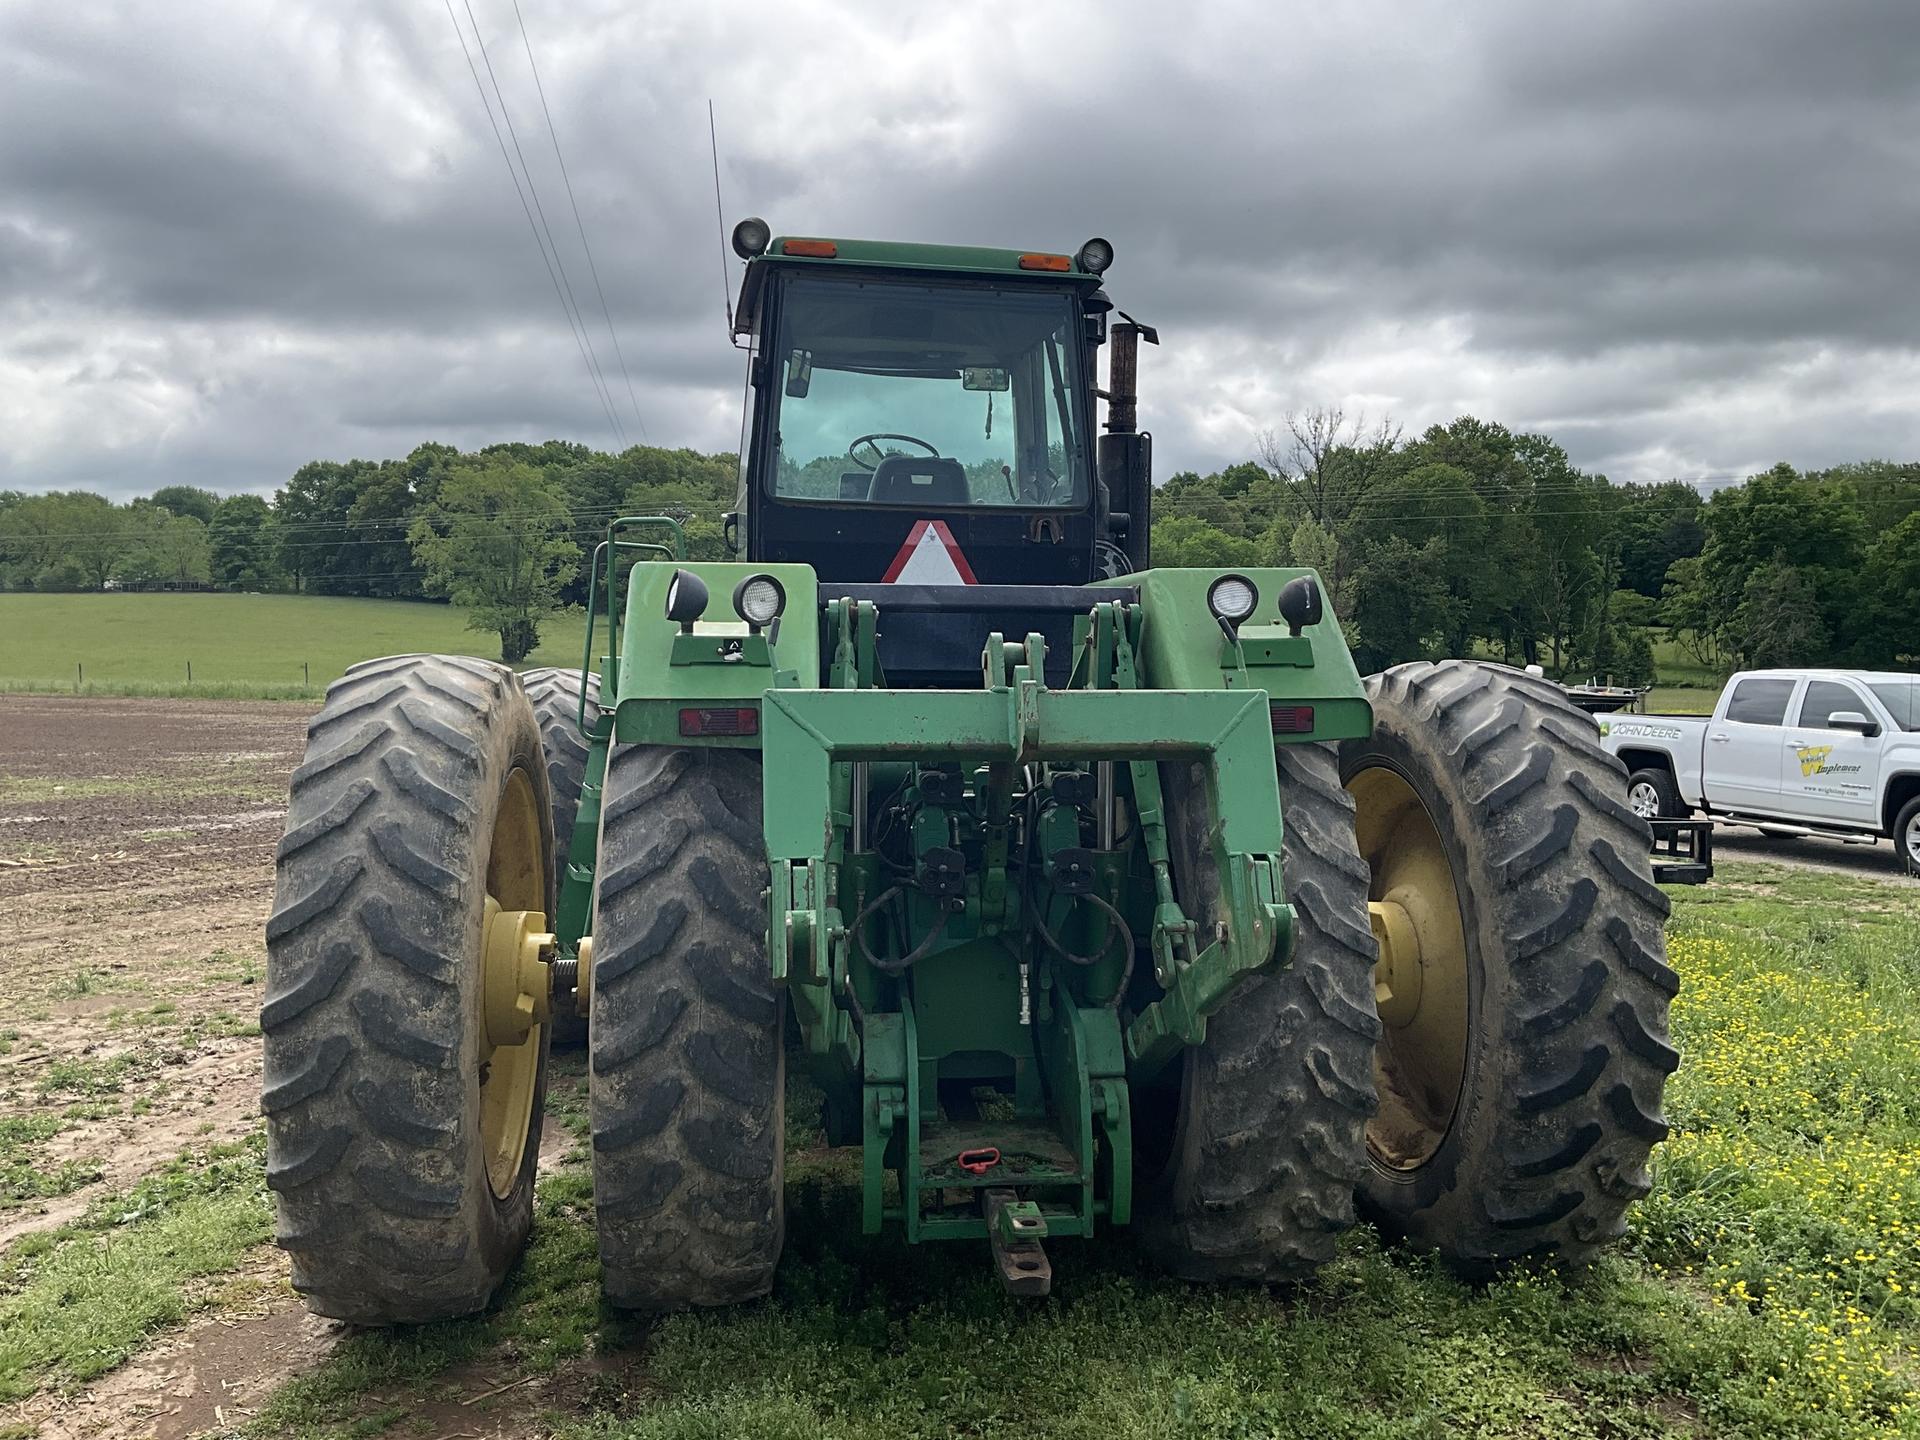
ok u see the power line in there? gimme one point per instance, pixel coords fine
(720, 219)
(563, 283)
(499, 140)
(566, 179)
(566, 282)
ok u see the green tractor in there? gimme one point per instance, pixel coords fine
(1089, 895)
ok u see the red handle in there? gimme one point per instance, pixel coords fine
(978, 1162)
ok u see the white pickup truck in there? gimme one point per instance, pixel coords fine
(1799, 752)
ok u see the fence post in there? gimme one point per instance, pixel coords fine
(305, 678)
(79, 676)
(189, 672)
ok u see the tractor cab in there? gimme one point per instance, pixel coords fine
(923, 419)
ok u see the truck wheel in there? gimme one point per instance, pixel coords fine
(555, 693)
(1523, 982)
(406, 1047)
(687, 1066)
(1247, 1171)
(1906, 835)
(1652, 795)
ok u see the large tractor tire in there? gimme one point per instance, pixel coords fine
(404, 949)
(687, 1064)
(1523, 984)
(1247, 1172)
(556, 696)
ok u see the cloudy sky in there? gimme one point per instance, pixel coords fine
(1681, 238)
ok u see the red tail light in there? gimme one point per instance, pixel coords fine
(733, 720)
(1292, 719)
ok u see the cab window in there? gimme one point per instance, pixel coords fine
(1902, 699)
(889, 393)
(1824, 698)
(1760, 701)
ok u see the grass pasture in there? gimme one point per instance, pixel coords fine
(245, 647)
(1769, 1288)
(240, 646)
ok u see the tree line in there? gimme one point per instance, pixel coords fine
(1466, 539)
(500, 531)
(1474, 539)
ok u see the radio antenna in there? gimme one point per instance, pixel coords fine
(720, 219)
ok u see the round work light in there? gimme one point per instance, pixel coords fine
(751, 237)
(1231, 598)
(758, 600)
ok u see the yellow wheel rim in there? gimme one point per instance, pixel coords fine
(1420, 981)
(515, 1003)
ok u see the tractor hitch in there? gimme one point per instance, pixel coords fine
(1015, 1228)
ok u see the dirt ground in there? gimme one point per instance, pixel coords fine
(136, 868)
(136, 871)
(1877, 859)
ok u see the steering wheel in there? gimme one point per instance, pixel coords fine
(868, 441)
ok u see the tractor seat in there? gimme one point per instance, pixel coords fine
(919, 480)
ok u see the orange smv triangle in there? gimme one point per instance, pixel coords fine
(931, 556)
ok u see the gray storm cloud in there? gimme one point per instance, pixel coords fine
(1680, 238)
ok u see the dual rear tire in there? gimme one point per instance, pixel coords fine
(1471, 1035)
(402, 1136)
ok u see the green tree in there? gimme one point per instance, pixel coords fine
(312, 511)
(1688, 611)
(242, 544)
(379, 520)
(1399, 603)
(1312, 546)
(67, 540)
(496, 543)
(1891, 625)
(1656, 525)
(187, 500)
(1779, 618)
(165, 550)
(1186, 541)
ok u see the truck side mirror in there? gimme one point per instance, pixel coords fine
(1853, 720)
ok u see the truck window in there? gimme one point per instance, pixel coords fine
(1760, 701)
(1902, 699)
(1824, 697)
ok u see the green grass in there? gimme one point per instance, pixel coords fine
(1669, 700)
(240, 646)
(87, 1077)
(1674, 666)
(1737, 1308)
(252, 647)
(1768, 1289)
(25, 1173)
(77, 1301)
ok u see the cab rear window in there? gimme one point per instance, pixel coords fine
(1760, 701)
